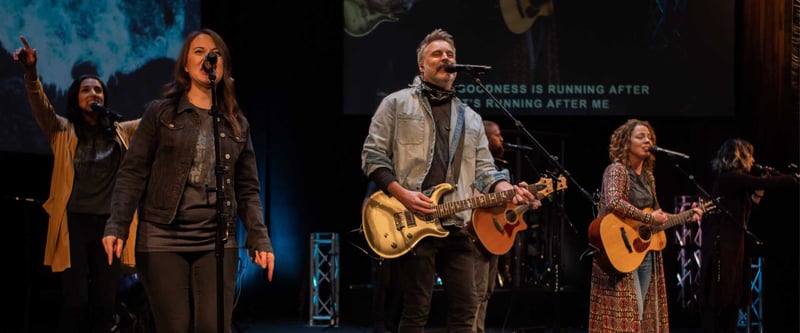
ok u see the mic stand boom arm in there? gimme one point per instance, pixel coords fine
(717, 201)
(536, 144)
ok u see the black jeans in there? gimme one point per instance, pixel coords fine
(387, 296)
(89, 286)
(181, 288)
(453, 254)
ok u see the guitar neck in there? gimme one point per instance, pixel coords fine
(487, 200)
(540, 189)
(674, 220)
(684, 216)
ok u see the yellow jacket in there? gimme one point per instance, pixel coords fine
(63, 141)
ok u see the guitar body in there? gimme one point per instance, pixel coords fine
(357, 28)
(362, 17)
(624, 242)
(391, 230)
(497, 227)
(519, 15)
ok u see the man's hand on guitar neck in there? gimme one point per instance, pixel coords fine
(535, 204)
(522, 195)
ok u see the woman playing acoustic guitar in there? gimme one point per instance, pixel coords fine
(634, 301)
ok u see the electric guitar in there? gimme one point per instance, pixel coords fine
(362, 17)
(623, 243)
(520, 15)
(391, 230)
(496, 227)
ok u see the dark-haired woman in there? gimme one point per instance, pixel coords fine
(88, 147)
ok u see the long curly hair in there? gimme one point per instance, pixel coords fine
(173, 91)
(620, 143)
(733, 154)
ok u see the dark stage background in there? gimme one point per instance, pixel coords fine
(288, 68)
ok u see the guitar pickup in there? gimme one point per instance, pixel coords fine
(398, 220)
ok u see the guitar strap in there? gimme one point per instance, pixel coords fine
(455, 162)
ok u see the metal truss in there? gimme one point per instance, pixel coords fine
(324, 281)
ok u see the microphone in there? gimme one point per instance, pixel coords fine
(512, 146)
(210, 62)
(100, 109)
(765, 169)
(453, 68)
(654, 149)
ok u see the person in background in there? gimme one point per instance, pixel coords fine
(419, 137)
(88, 145)
(635, 301)
(724, 278)
(170, 174)
(486, 262)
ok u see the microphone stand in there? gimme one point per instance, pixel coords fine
(521, 128)
(222, 229)
(717, 201)
(557, 260)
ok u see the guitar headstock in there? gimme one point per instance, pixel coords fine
(544, 187)
(562, 183)
(708, 205)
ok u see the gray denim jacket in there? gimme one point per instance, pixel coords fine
(401, 138)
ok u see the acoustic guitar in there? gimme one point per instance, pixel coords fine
(520, 15)
(623, 243)
(496, 227)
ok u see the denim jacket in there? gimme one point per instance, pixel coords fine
(402, 135)
(158, 162)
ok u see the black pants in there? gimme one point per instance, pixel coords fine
(181, 288)
(89, 286)
(387, 296)
(417, 274)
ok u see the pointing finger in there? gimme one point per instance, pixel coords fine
(24, 42)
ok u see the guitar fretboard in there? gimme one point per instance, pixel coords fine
(488, 200)
(682, 217)
(540, 190)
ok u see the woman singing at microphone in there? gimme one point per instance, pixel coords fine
(724, 283)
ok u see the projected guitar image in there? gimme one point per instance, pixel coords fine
(520, 15)
(361, 17)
